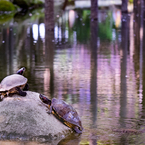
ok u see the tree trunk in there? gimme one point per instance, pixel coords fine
(124, 6)
(49, 15)
(94, 9)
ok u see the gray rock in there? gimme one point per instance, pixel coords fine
(26, 118)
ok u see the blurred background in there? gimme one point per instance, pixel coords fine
(93, 62)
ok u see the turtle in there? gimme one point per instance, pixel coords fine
(21, 72)
(64, 112)
(13, 84)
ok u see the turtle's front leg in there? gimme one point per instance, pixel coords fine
(77, 130)
(20, 92)
(50, 110)
(26, 88)
(1, 97)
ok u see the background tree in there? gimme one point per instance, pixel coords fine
(94, 9)
(124, 6)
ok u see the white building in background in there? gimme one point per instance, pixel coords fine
(87, 3)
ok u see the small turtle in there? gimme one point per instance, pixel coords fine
(21, 72)
(64, 112)
(13, 84)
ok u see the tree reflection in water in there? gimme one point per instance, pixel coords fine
(95, 66)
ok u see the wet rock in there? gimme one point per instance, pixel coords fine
(26, 118)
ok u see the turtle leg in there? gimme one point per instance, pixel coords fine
(1, 97)
(26, 88)
(7, 93)
(76, 129)
(20, 92)
(50, 110)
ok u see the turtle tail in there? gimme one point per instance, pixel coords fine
(45, 99)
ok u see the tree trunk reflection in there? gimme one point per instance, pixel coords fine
(123, 97)
(49, 41)
(123, 79)
(49, 15)
(93, 82)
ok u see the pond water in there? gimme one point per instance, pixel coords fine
(97, 67)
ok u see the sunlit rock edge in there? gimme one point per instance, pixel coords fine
(26, 118)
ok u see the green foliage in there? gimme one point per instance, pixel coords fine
(105, 30)
(131, 1)
(6, 18)
(6, 6)
(35, 14)
(28, 3)
(82, 26)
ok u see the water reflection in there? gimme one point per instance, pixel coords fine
(73, 139)
(123, 79)
(95, 66)
(93, 75)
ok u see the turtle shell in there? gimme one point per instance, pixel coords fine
(66, 113)
(12, 81)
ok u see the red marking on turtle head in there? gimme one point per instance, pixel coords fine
(21, 71)
(45, 99)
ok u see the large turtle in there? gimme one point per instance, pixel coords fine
(64, 112)
(13, 84)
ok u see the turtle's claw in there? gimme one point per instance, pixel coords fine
(48, 112)
(1, 97)
(77, 130)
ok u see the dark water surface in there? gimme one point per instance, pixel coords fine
(98, 67)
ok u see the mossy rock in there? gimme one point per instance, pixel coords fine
(27, 118)
(6, 6)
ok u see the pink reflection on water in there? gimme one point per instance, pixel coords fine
(46, 80)
(73, 66)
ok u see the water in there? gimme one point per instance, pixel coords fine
(96, 67)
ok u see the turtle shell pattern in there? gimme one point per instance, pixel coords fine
(12, 81)
(66, 113)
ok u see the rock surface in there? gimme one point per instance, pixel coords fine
(27, 118)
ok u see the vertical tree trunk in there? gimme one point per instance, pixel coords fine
(94, 9)
(49, 40)
(49, 15)
(93, 79)
(123, 83)
(124, 6)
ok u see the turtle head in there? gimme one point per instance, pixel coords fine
(21, 71)
(45, 99)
